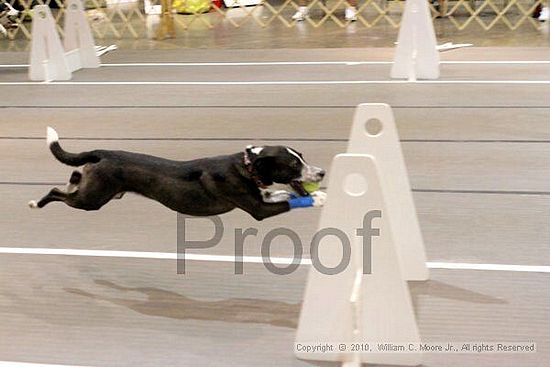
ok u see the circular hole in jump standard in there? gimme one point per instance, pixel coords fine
(373, 127)
(355, 184)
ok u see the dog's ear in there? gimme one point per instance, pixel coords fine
(254, 150)
(263, 166)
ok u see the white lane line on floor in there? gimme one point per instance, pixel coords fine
(296, 63)
(250, 259)
(250, 63)
(282, 82)
(22, 364)
(497, 62)
(489, 267)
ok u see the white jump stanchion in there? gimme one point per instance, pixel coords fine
(79, 42)
(351, 306)
(374, 133)
(49, 60)
(416, 55)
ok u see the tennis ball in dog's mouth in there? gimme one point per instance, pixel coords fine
(311, 186)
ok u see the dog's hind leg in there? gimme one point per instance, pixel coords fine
(57, 195)
(54, 195)
(75, 179)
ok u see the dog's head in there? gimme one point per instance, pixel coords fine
(283, 165)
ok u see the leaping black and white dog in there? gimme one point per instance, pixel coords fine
(201, 187)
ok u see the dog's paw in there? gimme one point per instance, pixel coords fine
(33, 204)
(319, 198)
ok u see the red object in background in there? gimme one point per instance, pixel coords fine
(217, 3)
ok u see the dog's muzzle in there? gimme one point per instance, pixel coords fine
(312, 174)
(309, 174)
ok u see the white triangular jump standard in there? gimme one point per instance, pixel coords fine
(78, 38)
(49, 60)
(357, 305)
(416, 55)
(374, 133)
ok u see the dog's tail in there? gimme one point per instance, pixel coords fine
(70, 159)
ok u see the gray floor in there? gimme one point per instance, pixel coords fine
(476, 154)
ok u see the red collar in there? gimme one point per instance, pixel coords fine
(248, 165)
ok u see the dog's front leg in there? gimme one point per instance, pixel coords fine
(257, 208)
(261, 210)
(315, 199)
(276, 196)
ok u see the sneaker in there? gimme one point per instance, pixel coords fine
(301, 14)
(544, 14)
(12, 12)
(351, 14)
(6, 10)
(536, 12)
(437, 7)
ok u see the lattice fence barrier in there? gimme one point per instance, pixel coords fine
(127, 18)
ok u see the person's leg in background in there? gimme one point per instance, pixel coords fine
(302, 12)
(7, 17)
(351, 10)
(544, 14)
